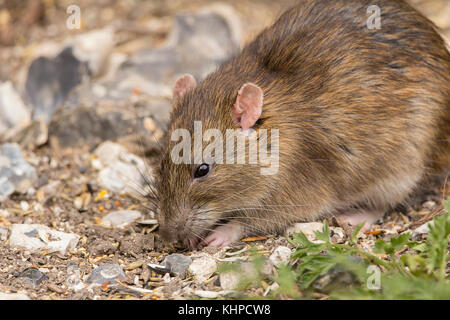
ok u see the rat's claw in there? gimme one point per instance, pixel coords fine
(224, 235)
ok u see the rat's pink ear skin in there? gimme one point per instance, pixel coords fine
(248, 106)
(184, 84)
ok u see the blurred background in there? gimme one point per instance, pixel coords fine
(75, 73)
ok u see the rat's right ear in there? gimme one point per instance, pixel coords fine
(248, 106)
(184, 84)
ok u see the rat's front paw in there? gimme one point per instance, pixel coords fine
(224, 235)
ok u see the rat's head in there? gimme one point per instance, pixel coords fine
(198, 186)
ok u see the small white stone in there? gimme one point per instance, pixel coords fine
(13, 296)
(422, 229)
(4, 214)
(202, 268)
(273, 286)
(96, 164)
(430, 205)
(339, 231)
(308, 229)
(166, 278)
(24, 206)
(78, 203)
(210, 294)
(121, 171)
(280, 256)
(229, 280)
(121, 218)
(36, 238)
(3, 234)
(13, 112)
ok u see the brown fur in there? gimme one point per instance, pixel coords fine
(362, 115)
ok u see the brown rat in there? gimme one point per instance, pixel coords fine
(363, 116)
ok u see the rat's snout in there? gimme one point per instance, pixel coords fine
(174, 228)
(168, 234)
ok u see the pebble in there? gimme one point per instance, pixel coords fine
(93, 48)
(423, 229)
(430, 205)
(202, 268)
(280, 256)
(103, 274)
(229, 280)
(211, 294)
(178, 264)
(3, 234)
(13, 112)
(37, 237)
(16, 174)
(33, 276)
(307, 228)
(50, 80)
(274, 286)
(73, 281)
(121, 218)
(31, 136)
(122, 171)
(13, 296)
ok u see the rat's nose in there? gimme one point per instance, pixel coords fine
(167, 234)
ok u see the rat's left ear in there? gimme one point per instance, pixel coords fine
(184, 84)
(248, 106)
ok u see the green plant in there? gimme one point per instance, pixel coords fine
(405, 269)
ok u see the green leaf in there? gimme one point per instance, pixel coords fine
(394, 244)
(325, 234)
(355, 233)
(414, 262)
(446, 204)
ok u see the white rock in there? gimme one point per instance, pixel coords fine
(122, 171)
(308, 229)
(93, 47)
(273, 286)
(121, 218)
(25, 206)
(13, 296)
(229, 280)
(423, 228)
(202, 268)
(166, 278)
(339, 231)
(109, 152)
(4, 214)
(280, 256)
(430, 205)
(37, 237)
(13, 112)
(3, 234)
(16, 174)
(211, 294)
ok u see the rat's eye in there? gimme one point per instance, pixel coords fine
(202, 170)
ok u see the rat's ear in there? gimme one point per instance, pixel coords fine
(184, 84)
(248, 106)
